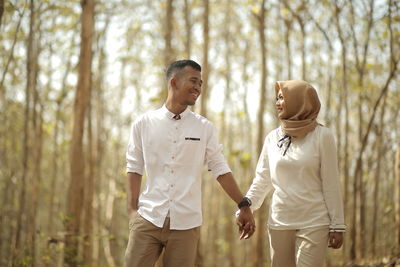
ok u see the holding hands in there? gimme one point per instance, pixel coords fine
(335, 240)
(246, 223)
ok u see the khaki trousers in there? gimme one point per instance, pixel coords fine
(146, 242)
(299, 248)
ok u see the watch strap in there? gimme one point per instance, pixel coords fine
(245, 202)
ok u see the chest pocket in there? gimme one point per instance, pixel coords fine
(193, 145)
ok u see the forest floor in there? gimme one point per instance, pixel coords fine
(385, 262)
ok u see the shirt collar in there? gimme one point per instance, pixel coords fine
(170, 115)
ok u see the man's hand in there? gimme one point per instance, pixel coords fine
(335, 240)
(246, 223)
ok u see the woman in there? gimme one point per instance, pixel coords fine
(298, 163)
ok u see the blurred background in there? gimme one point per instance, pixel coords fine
(75, 74)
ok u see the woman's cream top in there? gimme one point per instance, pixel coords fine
(305, 181)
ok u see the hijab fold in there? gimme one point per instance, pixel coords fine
(301, 107)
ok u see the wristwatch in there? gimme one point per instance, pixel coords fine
(245, 202)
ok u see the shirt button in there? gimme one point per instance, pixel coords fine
(172, 171)
(172, 185)
(175, 142)
(173, 157)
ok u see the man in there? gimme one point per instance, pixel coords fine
(172, 144)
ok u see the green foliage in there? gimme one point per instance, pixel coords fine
(245, 160)
(155, 99)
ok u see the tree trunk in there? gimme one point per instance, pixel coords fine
(188, 29)
(55, 169)
(31, 83)
(288, 28)
(89, 194)
(205, 66)
(360, 66)
(168, 31)
(169, 54)
(296, 14)
(397, 195)
(1, 11)
(36, 180)
(10, 58)
(345, 161)
(303, 49)
(260, 235)
(76, 187)
(99, 132)
(377, 178)
(328, 40)
(247, 130)
(107, 224)
(203, 250)
(226, 133)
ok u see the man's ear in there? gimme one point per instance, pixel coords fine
(172, 82)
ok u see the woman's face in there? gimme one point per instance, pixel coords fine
(280, 104)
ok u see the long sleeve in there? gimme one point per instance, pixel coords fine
(261, 185)
(134, 154)
(330, 181)
(214, 158)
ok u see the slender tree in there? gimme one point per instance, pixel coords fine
(297, 13)
(288, 21)
(205, 64)
(1, 11)
(77, 168)
(30, 85)
(397, 196)
(10, 57)
(261, 25)
(188, 28)
(328, 102)
(378, 174)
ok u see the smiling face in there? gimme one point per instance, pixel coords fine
(280, 104)
(296, 100)
(187, 86)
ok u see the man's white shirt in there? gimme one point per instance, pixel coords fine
(173, 154)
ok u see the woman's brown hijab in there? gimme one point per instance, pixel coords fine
(301, 107)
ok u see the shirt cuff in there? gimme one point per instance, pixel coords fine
(135, 170)
(220, 171)
(340, 228)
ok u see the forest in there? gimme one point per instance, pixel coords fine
(75, 74)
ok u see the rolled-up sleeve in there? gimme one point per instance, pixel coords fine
(134, 154)
(262, 184)
(215, 159)
(330, 180)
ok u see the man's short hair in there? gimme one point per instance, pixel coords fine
(178, 65)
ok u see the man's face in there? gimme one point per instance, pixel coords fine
(188, 86)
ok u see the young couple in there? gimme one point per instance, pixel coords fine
(298, 163)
